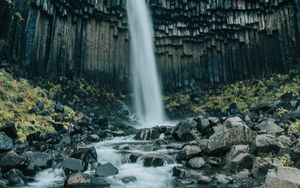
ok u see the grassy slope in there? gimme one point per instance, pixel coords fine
(245, 94)
(18, 97)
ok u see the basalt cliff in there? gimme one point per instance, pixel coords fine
(210, 41)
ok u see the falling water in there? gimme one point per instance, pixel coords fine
(147, 93)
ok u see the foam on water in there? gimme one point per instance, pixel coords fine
(48, 178)
(158, 177)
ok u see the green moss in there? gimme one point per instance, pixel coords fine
(17, 97)
(197, 134)
(281, 111)
(294, 127)
(286, 160)
(245, 94)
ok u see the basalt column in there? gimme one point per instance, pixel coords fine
(211, 41)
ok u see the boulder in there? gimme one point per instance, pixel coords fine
(286, 177)
(134, 157)
(153, 161)
(240, 162)
(235, 151)
(205, 125)
(81, 180)
(269, 126)
(233, 132)
(262, 165)
(37, 160)
(10, 130)
(15, 177)
(6, 143)
(11, 160)
(188, 152)
(93, 138)
(183, 130)
(148, 134)
(296, 148)
(106, 170)
(86, 154)
(265, 143)
(196, 163)
(286, 141)
(71, 165)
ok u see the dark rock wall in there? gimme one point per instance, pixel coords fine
(215, 41)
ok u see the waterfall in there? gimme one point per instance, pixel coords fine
(147, 90)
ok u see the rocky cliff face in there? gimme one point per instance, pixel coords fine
(214, 41)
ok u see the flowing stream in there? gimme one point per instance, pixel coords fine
(148, 106)
(147, 91)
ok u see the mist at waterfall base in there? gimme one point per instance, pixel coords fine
(146, 85)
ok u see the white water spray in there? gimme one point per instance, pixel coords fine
(147, 93)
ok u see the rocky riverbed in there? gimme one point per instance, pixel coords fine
(256, 146)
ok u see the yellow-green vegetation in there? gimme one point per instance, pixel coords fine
(82, 93)
(197, 134)
(18, 97)
(281, 111)
(294, 127)
(245, 94)
(286, 160)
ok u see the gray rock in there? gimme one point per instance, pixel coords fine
(148, 134)
(265, 143)
(86, 154)
(203, 144)
(280, 177)
(183, 130)
(262, 165)
(129, 179)
(236, 150)
(85, 181)
(286, 140)
(72, 164)
(240, 162)
(153, 161)
(223, 179)
(296, 148)
(134, 157)
(182, 172)
(38, 160)
(188, 152)
(106, 170)
(197, 162)
(233, 132)
(15, 177)
(269, 126)
(94, 138)
(214, 161)
(214, 120)
(11, 160)
(203, 179)
(6, 143)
